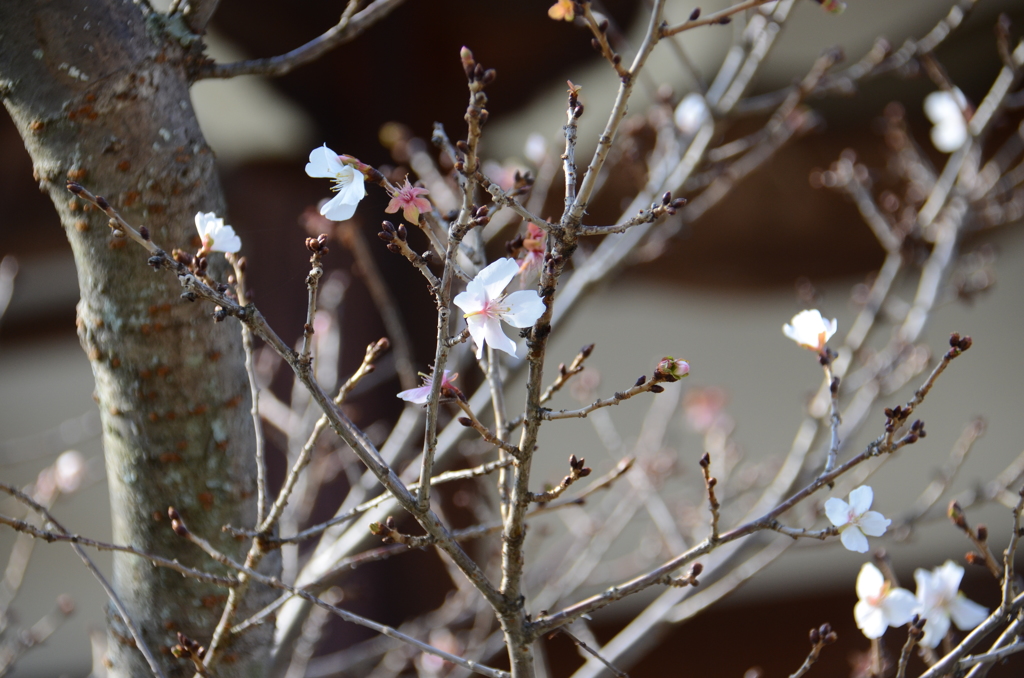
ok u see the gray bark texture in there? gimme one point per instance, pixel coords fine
(100, 94)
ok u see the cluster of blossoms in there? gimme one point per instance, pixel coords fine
(938, 601)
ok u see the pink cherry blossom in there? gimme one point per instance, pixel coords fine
(533, 254)
(407, 198)
(485, 306)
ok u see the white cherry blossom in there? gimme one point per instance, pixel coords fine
(216, 236)
(946, 111)
(485, 306)
(348, 183)
(940, 600)
(879, 605)
(854, 520)
(810, 330)
(691, 114)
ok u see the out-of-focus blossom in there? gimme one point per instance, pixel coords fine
(215, 235)
(854, 520)
(879, 605)
(536, 148)
(946, 111)
(348, 183)
(407, 198)
(562, 9)
(533, 254)
(691, 113)
(420, 394)
(485, 306)
(940, 600)
(833, 6)
(703, 407)
(69, 471)
(810, 330)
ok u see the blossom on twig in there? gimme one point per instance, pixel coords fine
(420, 394)
(407, 198)
(854, 520)
(533, 254)
(946, 111)
(879, 605)
(216, 236)
(485, 306)
(348, 183)
(939, 600)
(562, 9)
(810, 330)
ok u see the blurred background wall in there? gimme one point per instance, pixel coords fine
(717, 298)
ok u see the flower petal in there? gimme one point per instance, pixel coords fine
(354, 188)
(854, 540)
(226, 240)
(870, 619)
(861, 498)
(473, 299)
(524, 307)
(935, 629)
(496, 276)
(337, 209)
(899, 606)
(966, 613)
(869, 581)
(949, 136)
(873, 524)
(838, 511)
(323, 163)
(417, 395)
(494, 336)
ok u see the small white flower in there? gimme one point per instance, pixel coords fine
(939, 600)
(348, 183)
(69, 471)
(880, 606)
(810, 330)
(485, 306)
(854, 520)
(946, 111)
(216, 236)
(691, 113)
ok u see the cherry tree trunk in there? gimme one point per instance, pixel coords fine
(100, 94)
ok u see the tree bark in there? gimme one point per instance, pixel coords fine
(99, 91)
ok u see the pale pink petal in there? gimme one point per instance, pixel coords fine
(417, 395)
(873, 524)
(524, 307)
(492, 333)
(860, 499)
(838, 511)
(473, 299)
(854, 540)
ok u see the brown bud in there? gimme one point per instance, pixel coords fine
(179, 528)
(965, 343)
(102, 203)
(385, 236)
(696, 569)
(657, 389)
(705, 460)
(954, 340)
(466, 421)
(401, 232)
(641, 381)
(695, 14)
(489, 76)
(172, 513)
(982, 533)
(75, 187)
(587, 350)
(595, 44)
(144, 232)
(814, 636)
(973, 558)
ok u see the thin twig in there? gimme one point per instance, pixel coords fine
(182, 530)
(592, 652)
(346, 30)
(717, 18)
(122, 611)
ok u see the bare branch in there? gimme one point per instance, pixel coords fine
(346, 30)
